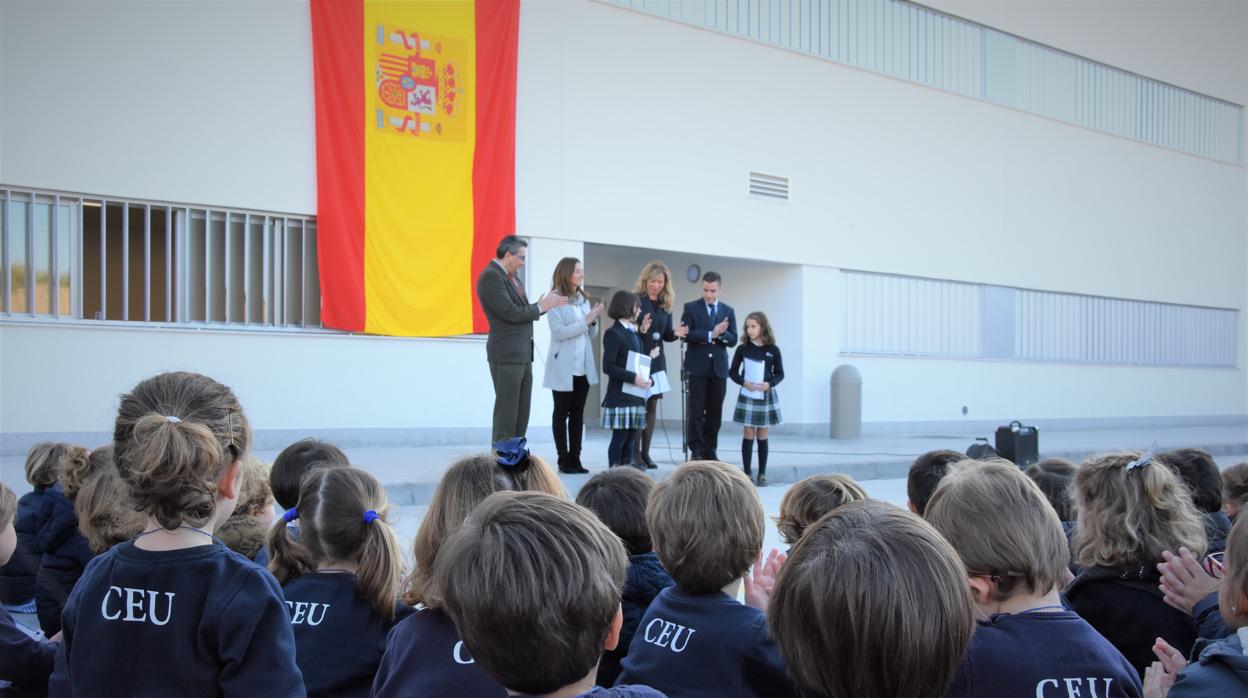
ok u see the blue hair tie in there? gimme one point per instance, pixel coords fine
(513, 454)
(370, 516)
(290, 515)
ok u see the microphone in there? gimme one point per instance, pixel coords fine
(656, 336)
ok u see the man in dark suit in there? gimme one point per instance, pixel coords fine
(712, 329)
(509, 348)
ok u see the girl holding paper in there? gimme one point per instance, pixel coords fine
(627, 369)
(757, 368)
(654, 286)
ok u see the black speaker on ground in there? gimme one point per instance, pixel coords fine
(1018, 443)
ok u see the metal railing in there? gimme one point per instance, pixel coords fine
(74, 256)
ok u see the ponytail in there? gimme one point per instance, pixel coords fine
(287, 557)
(380, 567)
(343, 518)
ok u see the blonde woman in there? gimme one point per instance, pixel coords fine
(570, 366)
(654, 287)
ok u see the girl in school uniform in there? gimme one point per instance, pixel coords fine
(341, 580)
(623, 413)
(172, 612)
(757, 414)
(424, 653)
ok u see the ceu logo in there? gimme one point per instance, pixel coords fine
(1073, 688)
(460, 654)
(137, 605)
(662, 633)
(304, 613)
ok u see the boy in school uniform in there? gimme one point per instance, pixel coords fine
(533, 581)
(1011, 542)
(696, 639)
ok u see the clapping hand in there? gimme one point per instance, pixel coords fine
(760, 580)
(1183, 581)
(682, 331)
(1160, 675)
(654, 353)
(721, 328)
(645, 323)
(594, 314)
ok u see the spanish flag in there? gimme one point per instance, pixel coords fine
(415, 171)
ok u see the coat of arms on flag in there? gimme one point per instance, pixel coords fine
(418, 90)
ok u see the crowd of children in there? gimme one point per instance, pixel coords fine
(157, 566)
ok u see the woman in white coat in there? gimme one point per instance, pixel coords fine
(570, 365)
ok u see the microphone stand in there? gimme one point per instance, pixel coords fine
(684, 401)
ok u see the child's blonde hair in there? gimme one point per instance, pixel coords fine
(73, 467)
(464, 485)
(810, 498)
(1001, 525)
(872, 602)
(106, 516)
(1128, 517)
(44, 461)
(8, 505)
(342, 518)
(707, 523)
(174, 435)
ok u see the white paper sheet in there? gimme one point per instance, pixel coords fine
(661, 384)
(753, 374)
(639, 364)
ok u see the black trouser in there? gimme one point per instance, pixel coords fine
(620, 450)
(568, 421)
(706, 405)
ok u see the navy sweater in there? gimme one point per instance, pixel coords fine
(1042, 654)
(202, 621)
(646, 578)
(17, 578)
(325, 610)
(1126, 606)
(693, 645)
(65, 555)
(24, 661)
(617, 692)
(426, 659)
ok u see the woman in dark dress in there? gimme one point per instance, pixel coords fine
(654, 286)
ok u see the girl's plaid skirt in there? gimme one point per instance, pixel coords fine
(753, 412)
(631, 417)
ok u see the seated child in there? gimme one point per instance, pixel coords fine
(424, 653)
(618, 496)
(1012, 547)
(696, 639)
(17, 577)
(170, 613)
(295, 461)
(341, 580)
(872, 603)
(925, 473)
(105, 514)
(533, 584)
(1222, 667)
(65, 551)
(244, 532)
(1130, 509)
(809, 499)
(1235, 489)
(1198, 471)
(24, 661)
(1056, 479)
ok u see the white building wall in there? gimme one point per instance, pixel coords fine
(637, 133)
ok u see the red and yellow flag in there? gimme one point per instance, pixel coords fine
(415, 145)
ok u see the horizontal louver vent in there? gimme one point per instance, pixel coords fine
(769, 186)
